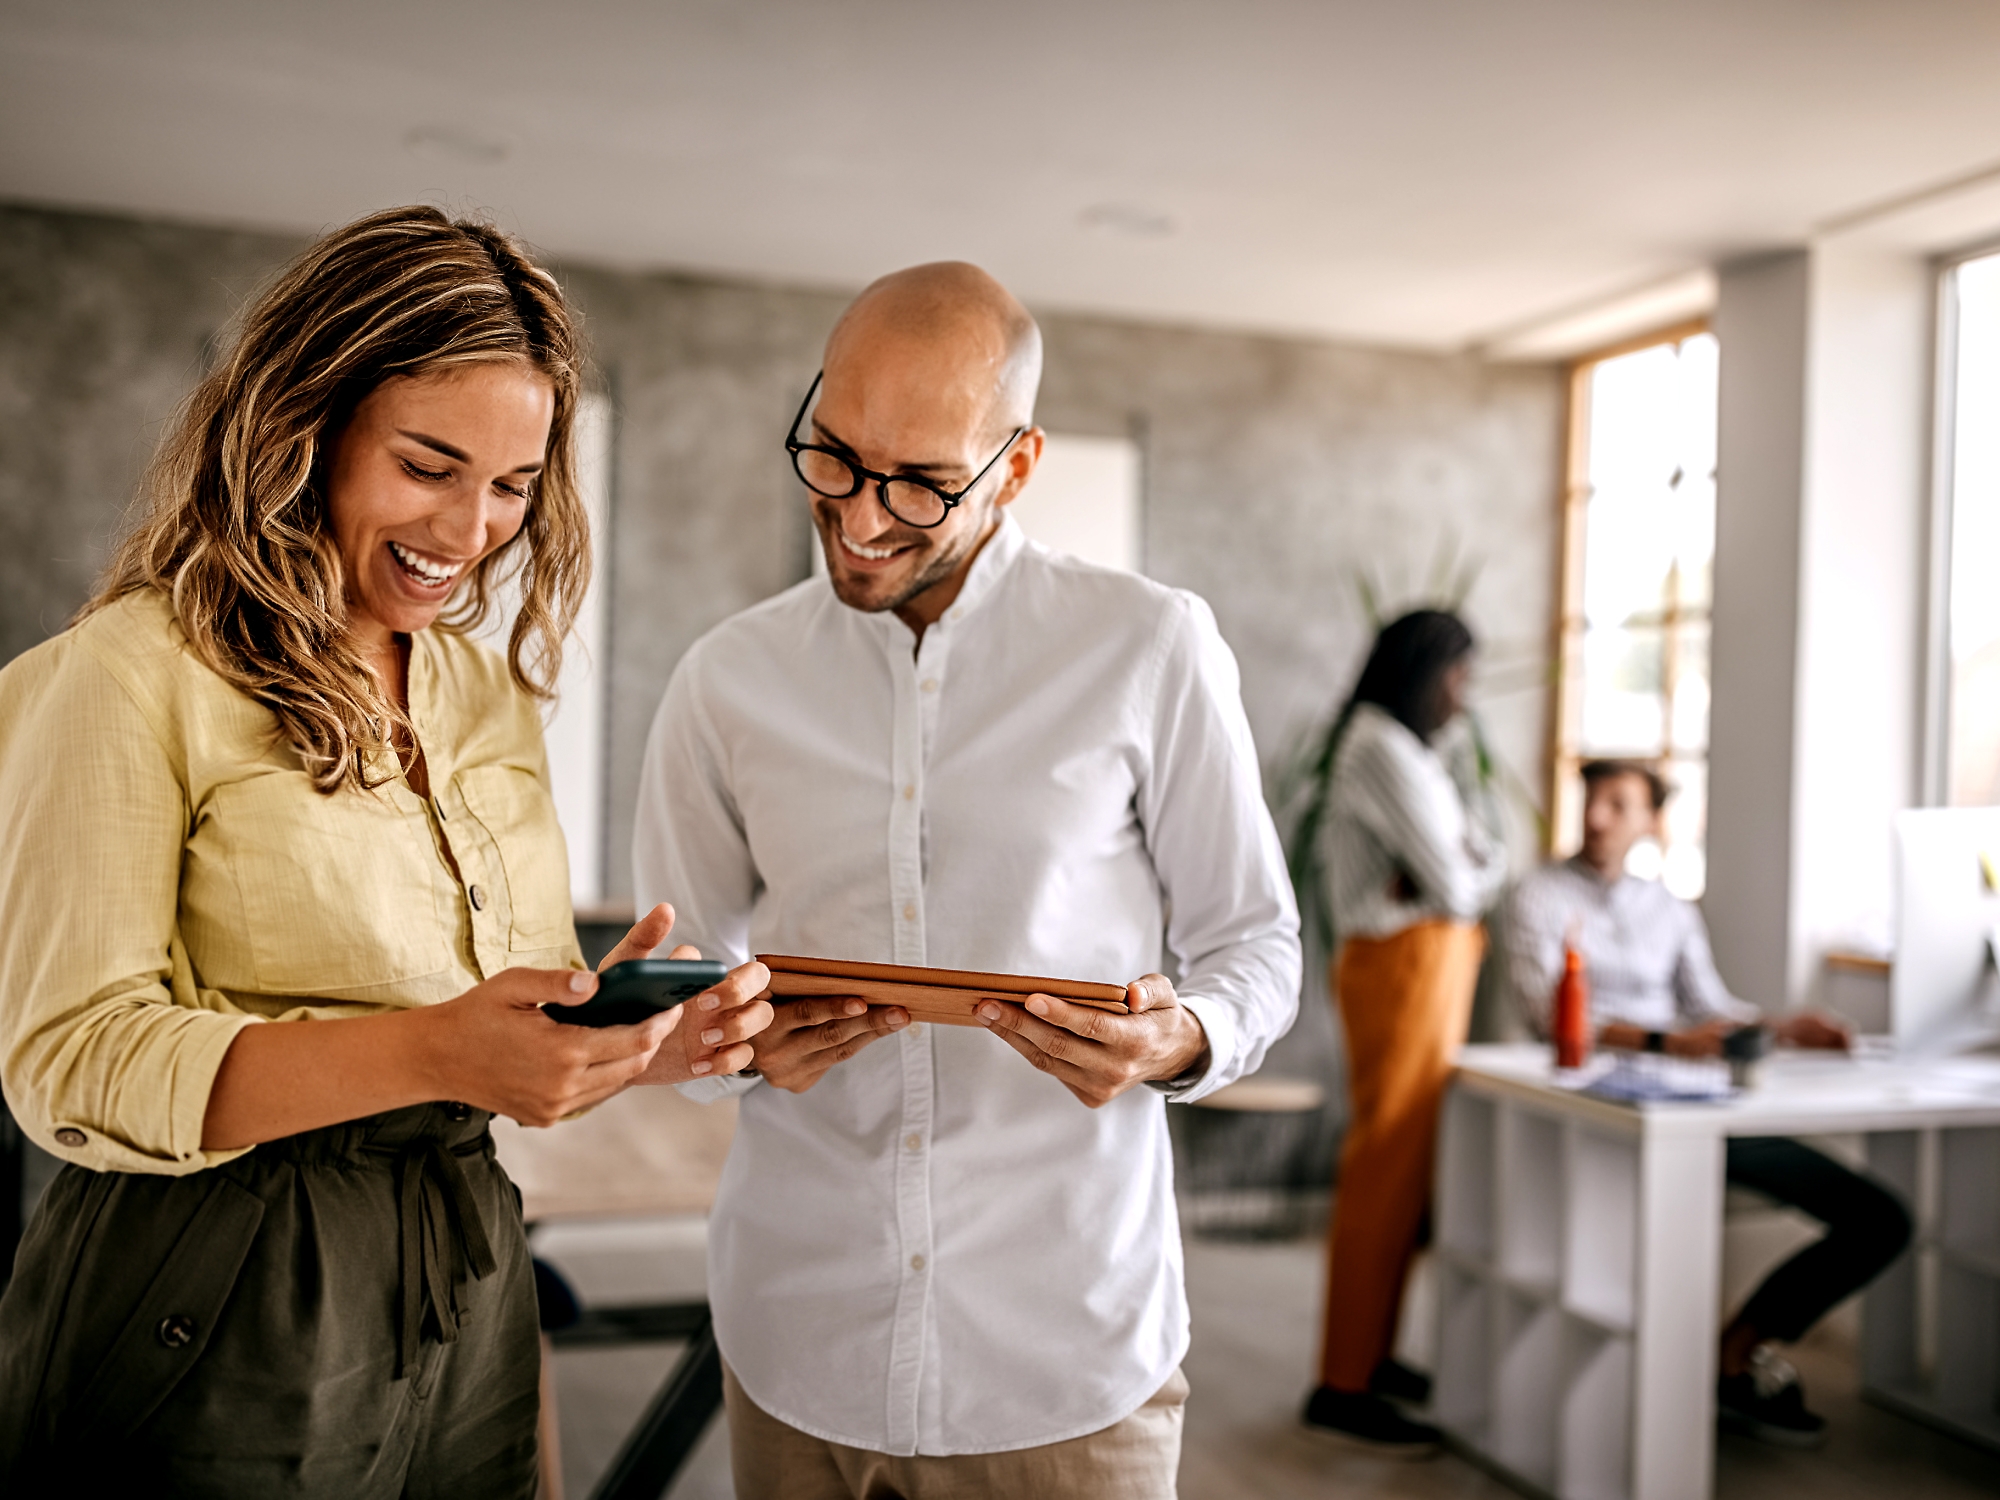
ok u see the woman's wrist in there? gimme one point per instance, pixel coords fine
(421, 1055)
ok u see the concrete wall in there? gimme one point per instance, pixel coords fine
(1279, 474)
(104, 325)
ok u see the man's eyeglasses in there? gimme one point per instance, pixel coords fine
(913, 501)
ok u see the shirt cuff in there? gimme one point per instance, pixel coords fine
(172, 1137)
(714, 1090)
(1218, 1022)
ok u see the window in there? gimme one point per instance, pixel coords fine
(1638, 553)
(1971, 452)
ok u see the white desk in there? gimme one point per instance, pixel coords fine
(1579, 1248)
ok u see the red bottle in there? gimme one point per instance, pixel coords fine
(1572, 1017)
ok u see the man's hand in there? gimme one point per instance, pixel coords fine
(1812, 1028)
(809, 1036)
(1098, 1054)
(716, 1026)
(1704, 1040)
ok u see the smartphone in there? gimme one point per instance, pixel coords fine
(630, 992)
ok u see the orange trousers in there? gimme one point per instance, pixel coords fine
(1405, 1002)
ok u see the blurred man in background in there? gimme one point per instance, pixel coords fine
(1654, 988)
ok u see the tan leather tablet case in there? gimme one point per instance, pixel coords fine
(945, 996)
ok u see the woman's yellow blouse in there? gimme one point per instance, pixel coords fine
(168, 875)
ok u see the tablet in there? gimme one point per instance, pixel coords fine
(946, 996)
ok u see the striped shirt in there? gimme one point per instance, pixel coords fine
(1644, 949)
(1394, 809)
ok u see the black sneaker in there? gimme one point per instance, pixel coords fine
(1395, 1381)
(1766, 1402)
(1369, 1422)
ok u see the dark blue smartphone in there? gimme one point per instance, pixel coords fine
(639, 988)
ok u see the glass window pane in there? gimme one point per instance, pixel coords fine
(1684, 866)
(1974, 749)
(1623, 707)
(1689, 698)
(1649, 539)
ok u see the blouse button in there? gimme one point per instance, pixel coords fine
(910, 913)
(478, 895)
(916, 1262)
(70, 1136)
(914, 1142)
(910, 792)
(176, 1330)
(930, 684)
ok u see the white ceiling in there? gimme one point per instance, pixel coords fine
(1423, 172)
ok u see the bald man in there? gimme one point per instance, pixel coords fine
(945, 1260)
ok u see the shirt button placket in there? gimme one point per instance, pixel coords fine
(916, 699)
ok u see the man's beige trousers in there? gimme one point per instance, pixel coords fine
(1135, 1459)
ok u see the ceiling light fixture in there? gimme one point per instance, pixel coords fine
(461, 148)
(1129, 220)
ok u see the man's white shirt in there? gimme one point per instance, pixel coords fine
(938, 1249)
(1644, 949)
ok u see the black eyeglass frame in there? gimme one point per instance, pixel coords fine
(946, 497)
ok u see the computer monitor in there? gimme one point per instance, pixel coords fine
(1944, 989)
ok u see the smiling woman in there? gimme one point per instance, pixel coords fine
(284, 895)
(370, 334)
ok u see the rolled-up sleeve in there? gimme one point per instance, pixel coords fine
(1698, 987)
(1233, 926)
(108, 1049)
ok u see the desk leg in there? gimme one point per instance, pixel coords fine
(1680, 1261)
(671, 1427)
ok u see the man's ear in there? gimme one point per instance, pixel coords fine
(1022, 460)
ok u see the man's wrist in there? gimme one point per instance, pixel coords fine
(1188, 1062)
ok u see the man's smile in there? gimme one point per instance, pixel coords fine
(863, 552)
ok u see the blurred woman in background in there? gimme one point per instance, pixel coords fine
(283, 897)
(1407, 873)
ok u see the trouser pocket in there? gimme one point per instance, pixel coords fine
(173, 1320)
(46, 1270)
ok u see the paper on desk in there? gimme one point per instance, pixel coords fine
(1648, 1078)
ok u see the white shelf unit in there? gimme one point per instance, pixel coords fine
(1931, 1323)
(1537, 1243)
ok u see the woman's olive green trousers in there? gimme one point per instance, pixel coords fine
(347, 1314)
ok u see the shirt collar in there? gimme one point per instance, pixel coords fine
(995, 558)
(988, 568)
(1588, 871)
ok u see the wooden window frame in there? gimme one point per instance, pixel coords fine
(1572, 508)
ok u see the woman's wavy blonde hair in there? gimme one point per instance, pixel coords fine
(232, 520)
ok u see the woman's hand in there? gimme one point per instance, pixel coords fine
(715, 1036)
(494, 1048)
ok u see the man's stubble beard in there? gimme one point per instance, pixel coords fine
(940, 567)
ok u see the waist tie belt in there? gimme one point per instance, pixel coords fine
(444, 1245)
